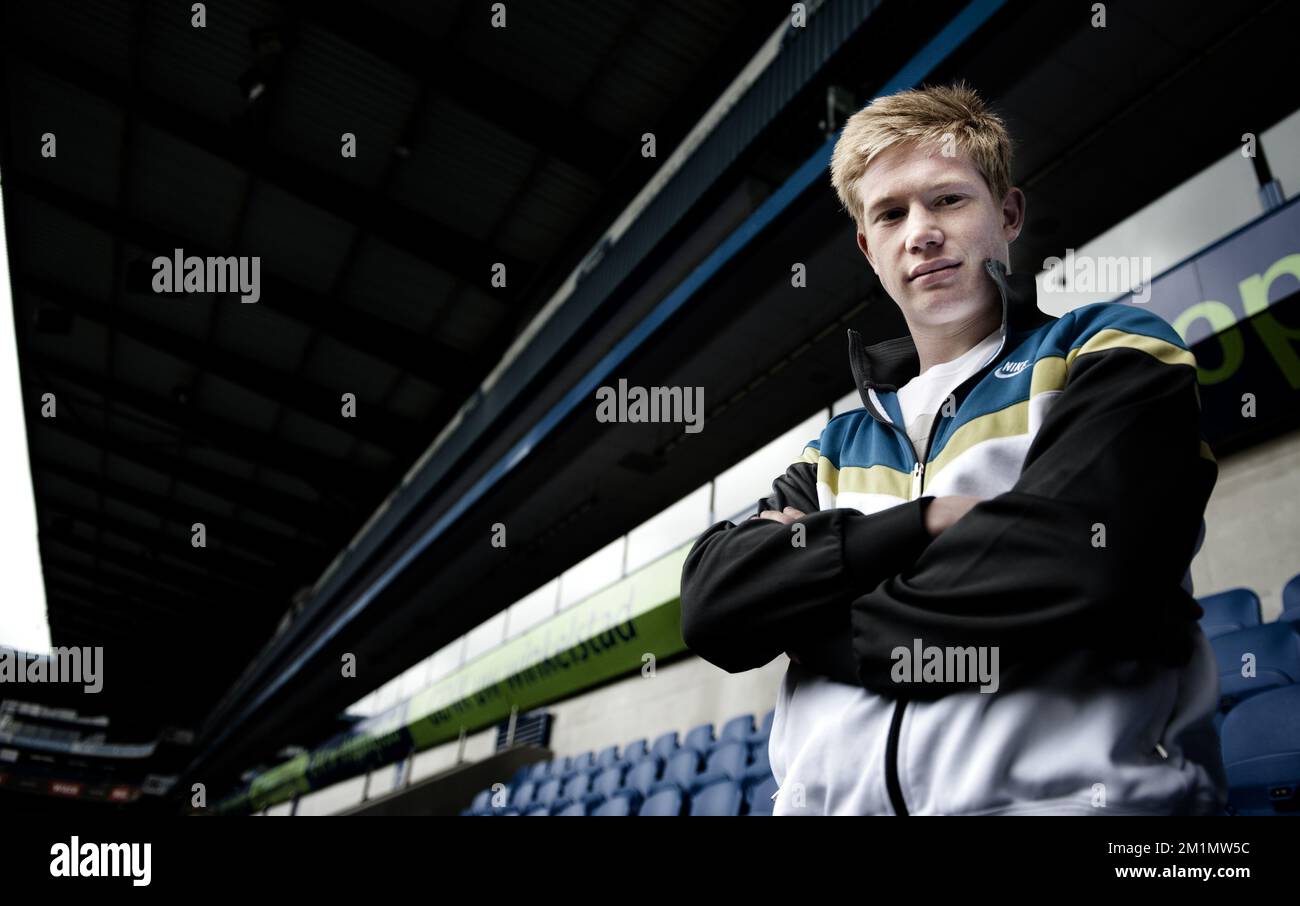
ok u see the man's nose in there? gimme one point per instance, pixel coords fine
(924, 232)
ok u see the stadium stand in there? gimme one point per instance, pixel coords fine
(703, 776)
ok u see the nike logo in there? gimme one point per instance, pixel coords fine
(1010, 369)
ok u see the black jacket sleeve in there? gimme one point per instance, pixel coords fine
(1030, 571)
(748, 593)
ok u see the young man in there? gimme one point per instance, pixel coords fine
(981, 576)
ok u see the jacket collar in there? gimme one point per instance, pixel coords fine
(890, 364)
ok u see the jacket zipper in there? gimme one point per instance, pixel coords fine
(892, 782)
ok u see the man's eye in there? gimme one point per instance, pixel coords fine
(950, 199)
(889, 215)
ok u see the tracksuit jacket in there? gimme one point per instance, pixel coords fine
(1081, 437)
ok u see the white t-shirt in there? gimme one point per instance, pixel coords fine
(923, 396)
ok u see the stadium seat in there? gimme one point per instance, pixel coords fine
(560, 768)
(622, 804)
(577, 786)
(522, 796)
(607, 758)
(758, 793)
(548, 792)
(539, 771)
(665, 746)
(609, 780)
(700, 739)
(758, 756)
(1261, 753)
(721, 798)
(481, 805)
(1229, 611)
(582, 764)
(765, 729)
(634, 752)
(728, 762)
(683, 768)
(1276, 650)
(738, 728)
(643, 775)
(579, 808)
(1291, 600)
(665, 800)
(537, 809)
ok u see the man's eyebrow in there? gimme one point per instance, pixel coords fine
(890, 200)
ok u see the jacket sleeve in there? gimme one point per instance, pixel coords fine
(1089, 548)
(750, 591)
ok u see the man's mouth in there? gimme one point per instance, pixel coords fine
(933, 267)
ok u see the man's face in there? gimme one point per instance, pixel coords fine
(928, 213)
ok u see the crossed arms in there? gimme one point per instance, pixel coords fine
(1120, 450)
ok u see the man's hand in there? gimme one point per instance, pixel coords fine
(944, 511)
(785, 517)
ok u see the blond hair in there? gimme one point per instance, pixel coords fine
(921, 116)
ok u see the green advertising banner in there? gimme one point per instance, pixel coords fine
(614, 632)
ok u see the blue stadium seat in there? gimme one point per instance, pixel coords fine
(577, 786)
(579, 808)
(522, 796)
(481, 804)
(1229, 611)
(582, 764)
(1276, 650)
(635, 751)
(1261, 753)
(539, 771)
(738, 728)
(665, 746)
(700, 739)
(683, 768)
(758, 755)
(609, 780)
(759, 790)
(548, 792)
(560, 768)
(1291, 600)
(728, 761)
(721, 798)
(622, 804)
(665, 800)
(607, 758)
(765, 729)
(537, 809)
(643, 775)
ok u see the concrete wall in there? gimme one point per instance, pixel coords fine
(680, 695)
(1252, 524)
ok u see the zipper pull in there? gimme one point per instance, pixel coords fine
(917, 474)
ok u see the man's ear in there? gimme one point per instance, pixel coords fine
(866, 250)
(1013, 214)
